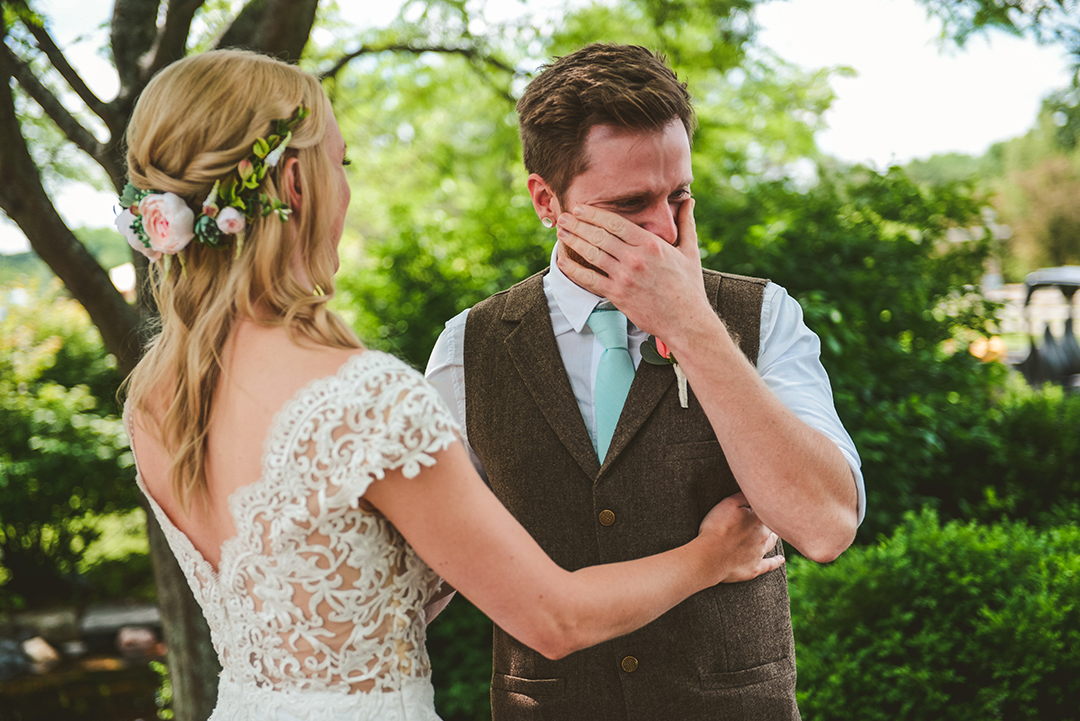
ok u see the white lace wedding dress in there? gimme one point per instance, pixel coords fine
(316, 608)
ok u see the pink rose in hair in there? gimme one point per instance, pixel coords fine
(168, 222)
(123, 225)
(230, 221)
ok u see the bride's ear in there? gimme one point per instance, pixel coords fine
(293, 189)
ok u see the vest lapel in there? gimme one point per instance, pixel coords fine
(532, 347)
(650, 384)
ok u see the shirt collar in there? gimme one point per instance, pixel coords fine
(575, 302)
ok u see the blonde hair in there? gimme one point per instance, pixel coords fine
(193, 124)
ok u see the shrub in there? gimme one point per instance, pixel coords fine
(47, 337)
(64, 455)
(1021, 462)
(955, 622)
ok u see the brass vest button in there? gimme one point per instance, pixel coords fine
(629, 664)
(607, 518)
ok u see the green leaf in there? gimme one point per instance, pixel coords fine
(131, 196)
(650, 354)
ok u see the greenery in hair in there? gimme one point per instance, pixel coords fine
(238, 190)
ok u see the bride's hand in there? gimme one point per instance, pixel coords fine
(740, 541)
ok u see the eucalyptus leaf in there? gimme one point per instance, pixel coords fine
(130, 196)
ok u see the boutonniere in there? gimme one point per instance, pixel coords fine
(656, 352)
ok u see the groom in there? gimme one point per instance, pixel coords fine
(595, 452)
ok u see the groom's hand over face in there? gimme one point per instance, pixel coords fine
(657, 285)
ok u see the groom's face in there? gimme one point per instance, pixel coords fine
(644, 176)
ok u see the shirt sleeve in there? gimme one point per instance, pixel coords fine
(446, 372)
(789, 361)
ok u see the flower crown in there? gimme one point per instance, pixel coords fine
(156, 223)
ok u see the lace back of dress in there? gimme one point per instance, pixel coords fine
(317, 591)
(325, 614)
(328, 594)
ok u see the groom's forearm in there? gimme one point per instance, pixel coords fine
(795, 478)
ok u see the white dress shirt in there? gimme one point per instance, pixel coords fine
(788, 361)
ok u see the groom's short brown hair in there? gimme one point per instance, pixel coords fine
(625, 86)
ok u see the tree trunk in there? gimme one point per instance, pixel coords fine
(193, 664)
(276, 27)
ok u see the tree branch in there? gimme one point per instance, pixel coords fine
(171, 42)
(469, 52)
(276, 27)
(132, 33)
(68, 124)
(69, 74)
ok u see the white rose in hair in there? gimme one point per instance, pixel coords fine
(123, 225)
(230, 220)
(168, 221)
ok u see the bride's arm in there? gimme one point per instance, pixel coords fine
(469, 538)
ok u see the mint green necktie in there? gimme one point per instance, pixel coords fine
(613, 376)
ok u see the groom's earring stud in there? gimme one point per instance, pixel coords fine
(547, 222)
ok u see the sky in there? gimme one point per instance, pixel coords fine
(911, 97)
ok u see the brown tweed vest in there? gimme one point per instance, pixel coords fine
(724, 653)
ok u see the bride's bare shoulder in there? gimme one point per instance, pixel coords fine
(268, 361)
(257, 344)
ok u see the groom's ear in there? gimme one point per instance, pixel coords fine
(544, 201)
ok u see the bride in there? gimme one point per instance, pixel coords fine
(315, 493)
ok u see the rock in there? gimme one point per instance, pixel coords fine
(43, 657)
(136, 641)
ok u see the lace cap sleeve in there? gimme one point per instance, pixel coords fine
(375, 415)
